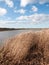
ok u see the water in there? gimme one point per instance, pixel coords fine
(7, 34)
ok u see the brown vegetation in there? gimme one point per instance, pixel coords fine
(30, 48)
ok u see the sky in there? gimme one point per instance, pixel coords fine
(24, 13)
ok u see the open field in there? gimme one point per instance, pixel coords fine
(27, 48)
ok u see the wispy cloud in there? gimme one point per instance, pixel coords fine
(21, 11)
(9, 3)
(33, 19)
(26, 2)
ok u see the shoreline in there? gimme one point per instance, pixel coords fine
(10, 29)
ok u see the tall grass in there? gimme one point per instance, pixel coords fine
(28, 48)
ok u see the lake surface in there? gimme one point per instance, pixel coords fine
(7, 34)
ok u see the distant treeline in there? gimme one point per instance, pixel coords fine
(6, 29)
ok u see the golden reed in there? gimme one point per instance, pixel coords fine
(28, 48)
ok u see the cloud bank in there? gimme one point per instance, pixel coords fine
(33, 19)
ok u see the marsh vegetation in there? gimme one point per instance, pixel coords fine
(27, 48)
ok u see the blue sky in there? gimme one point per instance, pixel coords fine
(24, 13)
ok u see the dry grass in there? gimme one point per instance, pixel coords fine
(29, 48)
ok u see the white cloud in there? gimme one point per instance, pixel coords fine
(35, 9)
(21, 11)
(33, 19)
(26, 2)
(2, 11)
(9, 3)
(22, 18)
